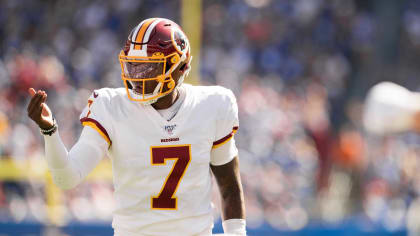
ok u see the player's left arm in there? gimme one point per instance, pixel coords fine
(224, 163)
(225, 167)
(229, 181)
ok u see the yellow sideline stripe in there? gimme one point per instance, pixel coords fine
(93, 126)
(37, 170)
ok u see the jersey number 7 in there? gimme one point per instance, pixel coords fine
(166, 200)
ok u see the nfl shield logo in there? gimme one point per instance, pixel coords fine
(170, 129)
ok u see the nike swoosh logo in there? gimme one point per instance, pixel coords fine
(95, 94)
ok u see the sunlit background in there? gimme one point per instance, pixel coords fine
(300, 70)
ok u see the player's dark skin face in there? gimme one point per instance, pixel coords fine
(150, 85)
(144, 70)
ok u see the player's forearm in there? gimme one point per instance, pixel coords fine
(68, 169)
(55, 151)
(230, 186)
(233, 204)
(63, 171)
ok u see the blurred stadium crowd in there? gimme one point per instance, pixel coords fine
(300, 70)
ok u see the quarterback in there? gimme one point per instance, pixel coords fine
(164, 138)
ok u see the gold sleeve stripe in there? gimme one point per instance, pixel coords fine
(140, 34)
(225, 139)
(98, 127)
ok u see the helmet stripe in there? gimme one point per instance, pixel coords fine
(149, 31)
(133, 35)
(141, 32)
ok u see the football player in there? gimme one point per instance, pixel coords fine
(164, 138)
(390, 109)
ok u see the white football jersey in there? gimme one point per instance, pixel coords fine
(161, 170)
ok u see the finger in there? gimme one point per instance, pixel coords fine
(35, 111)
(35, 114)
(38, 104)
(35, 103)
(33, 100)
(31, 91)
(39, 93)
(43, 99)
(45, 110)
(46, 96)
(43, 105)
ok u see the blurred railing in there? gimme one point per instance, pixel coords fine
(77, 229)
(11, 170)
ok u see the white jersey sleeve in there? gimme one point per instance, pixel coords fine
(227, 123)
(97, 112)
(68, 169)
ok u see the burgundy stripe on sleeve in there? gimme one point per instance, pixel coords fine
(222, 140)
(98, 125)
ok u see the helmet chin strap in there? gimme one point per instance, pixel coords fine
(149, 102)
(154, 93)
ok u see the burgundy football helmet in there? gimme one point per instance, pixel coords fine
(154, 50)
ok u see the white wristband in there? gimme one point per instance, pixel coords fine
(234, 227)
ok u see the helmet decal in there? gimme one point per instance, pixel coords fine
(180, 41)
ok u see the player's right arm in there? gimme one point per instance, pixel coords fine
(68, 168)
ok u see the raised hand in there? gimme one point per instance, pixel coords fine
(38, 110)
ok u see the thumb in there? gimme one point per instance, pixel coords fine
(31, 92)
(46, 112)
